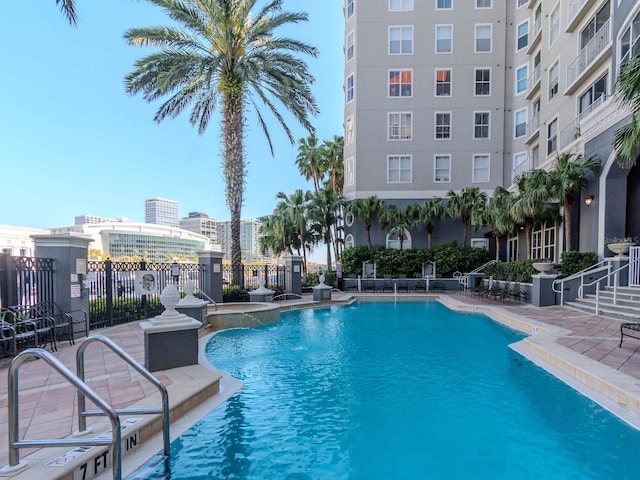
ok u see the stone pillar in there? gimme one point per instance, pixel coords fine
(475, 279)
(170, 339)
(293, 276)
(622, 277)
(191, 306)
(543, 294)
(70, 254)
(212, 285)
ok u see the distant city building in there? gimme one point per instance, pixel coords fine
(219, 232)
(93, 219)
(154, 243)
(161, 211)
(16, 241)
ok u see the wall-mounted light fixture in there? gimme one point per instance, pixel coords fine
(588, 200)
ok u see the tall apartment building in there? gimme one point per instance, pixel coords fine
(162, 211)
(445, 94)
(219, 232)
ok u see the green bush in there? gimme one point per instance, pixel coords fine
(449, 258)
(574, 262)
(511, 270)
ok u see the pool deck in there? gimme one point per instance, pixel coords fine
(579, 348)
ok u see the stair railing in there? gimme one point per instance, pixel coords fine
(616, 282)
(602, 266)
(464, 279)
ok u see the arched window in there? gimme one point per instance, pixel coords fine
(349, 242)
(394, 242)
(348, 219)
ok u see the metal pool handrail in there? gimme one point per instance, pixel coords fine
(616, 282)
(15, 444)
(595, 268)
(83, 413)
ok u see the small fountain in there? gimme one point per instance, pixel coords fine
(321, 291)
(190, 305)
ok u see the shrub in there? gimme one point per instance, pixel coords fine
(511, 270)
(574, 262)
(449, 258)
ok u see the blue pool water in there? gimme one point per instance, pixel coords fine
(395, 391)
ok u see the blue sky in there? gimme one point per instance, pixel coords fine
(73, 142)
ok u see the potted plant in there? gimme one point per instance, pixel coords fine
(544, 266)
(620, 246)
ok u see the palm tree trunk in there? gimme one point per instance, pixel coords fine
(234, 165)
(367, 226)
(464, 232)
(429, 235)
(497, 237)
(567, 228)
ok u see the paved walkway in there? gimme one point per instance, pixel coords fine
(48, 408)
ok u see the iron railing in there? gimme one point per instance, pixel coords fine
(25, 280)
(239, 280)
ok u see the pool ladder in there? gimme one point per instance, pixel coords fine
(84, 391)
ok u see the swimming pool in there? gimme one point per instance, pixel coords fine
(395, 391)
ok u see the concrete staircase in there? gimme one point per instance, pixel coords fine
(626, 308)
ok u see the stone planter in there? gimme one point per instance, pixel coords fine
(544, 267)
(620, 248)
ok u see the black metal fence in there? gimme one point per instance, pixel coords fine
(238, 281)
(112, 289)
(25, 280)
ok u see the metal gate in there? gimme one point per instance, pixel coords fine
(634, 266)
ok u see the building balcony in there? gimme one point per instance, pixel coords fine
(529, 164)
(534, 83)
(576, 11)
(533, 130)
(569, 134)
(590, 57)
(535, 34)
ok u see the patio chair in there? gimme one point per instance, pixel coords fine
(403, 284)
(31, 328)
(421, 285)
(387, 284)
(8, 346)
(66, 324)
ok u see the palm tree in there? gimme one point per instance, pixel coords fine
(569, 178)
(227, 53)
(68, 9)
(366, 209)
(324, 210)
(463, 205)
(532, 204)
(497, 215)
(626, 140)
(427, 213)
(294, 208)
(331, 153)
(309, 161)
(394, 220)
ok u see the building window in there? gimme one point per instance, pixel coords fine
(400, 126)
(594, 96)
(443, 82)
(349, 174)
(444, 38)
(519, 164)
(535, 156)
(401, 40)
(444, 4)
(484, 4)
(543, 242)
(554, 25)
(348, 130)
(520, 121)
(400, 5)
(480, 243)
(482, 81)
(630, 41)
(348, 241)
(521, 79)
(483, 38)
(350, 46)
(351, 6)
(481, 125)
(512, 249)
(522, 3)
(443, 125)
(481, 167)
(399, 169)
(554, 73)
(350, 88)
(393, 241)
(523, 35)
(594, 25)
(552, 136)
(400, 83)
(442, 168)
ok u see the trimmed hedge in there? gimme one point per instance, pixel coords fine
(449, 258)
(574, 262)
